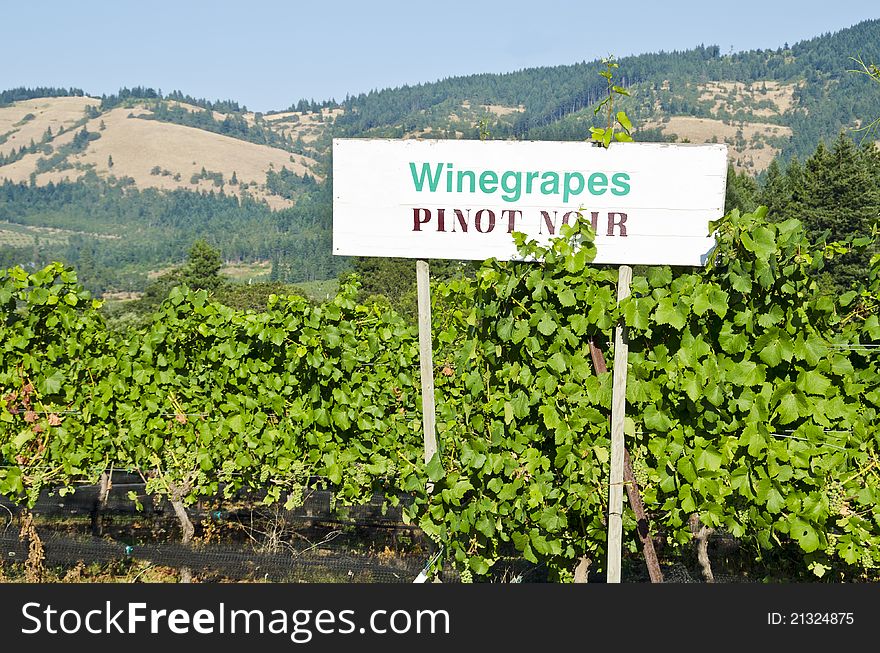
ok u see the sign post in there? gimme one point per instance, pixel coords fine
(426, 357)
(649, 203)
(618, 412)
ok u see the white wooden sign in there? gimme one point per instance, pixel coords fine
(650, 203)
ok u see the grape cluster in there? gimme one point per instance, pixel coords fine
(467, 576)
(435, 538)
(831, 547)
(295, 498)
(640, 471)
(836, 495)
(359, 477)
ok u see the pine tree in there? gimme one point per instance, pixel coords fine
(839, 200)
(202, 270)
(741, 191)
(775, 193)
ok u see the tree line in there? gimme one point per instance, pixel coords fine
(115, 233)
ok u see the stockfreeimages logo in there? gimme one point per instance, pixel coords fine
(301, 626)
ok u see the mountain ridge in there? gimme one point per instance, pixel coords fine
(263, 176)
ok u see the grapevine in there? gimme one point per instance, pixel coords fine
(754, 400)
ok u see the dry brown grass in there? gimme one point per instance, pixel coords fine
(326, 113)
(306, 126)
(495, 109)
(155, 274)
(246, 270)
(135, 571)
(702, 130)
(140, 147)
(418, 133)
(48, 112)
(500, 110)
(192, 108)
(18, 235)
(729, 96)
(122, 296)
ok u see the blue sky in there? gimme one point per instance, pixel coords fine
(269, 54)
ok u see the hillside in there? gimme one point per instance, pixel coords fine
(804, 89)
(120, 185)
(38, 139)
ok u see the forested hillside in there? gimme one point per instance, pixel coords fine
(122, 185)
(556, 102)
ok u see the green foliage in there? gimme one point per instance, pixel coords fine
(288, 184)
(606, 134)
(835, 194)
(872, 72)
(215, 177)
(53, 348)
(839, 200)
(740, 191)
(205, 398)
(202, 269)
(22, 93)
(753, 400)
(521, 419)
(750, 411)
(753, 396)
(118, 233)
(252, 296)
(749, 407)
(394, 279)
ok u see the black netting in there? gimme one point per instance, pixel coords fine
(236, 539)
(219, 563)
(243, 539)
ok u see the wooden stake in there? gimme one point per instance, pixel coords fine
(618, 412)
(101, 502)
(632, 489)
(426, 357)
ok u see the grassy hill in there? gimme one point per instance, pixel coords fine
(37, 141)
(121, 185)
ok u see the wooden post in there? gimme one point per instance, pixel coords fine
(104, 486)
(618, 412)
(426, 357)
(632, 488)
